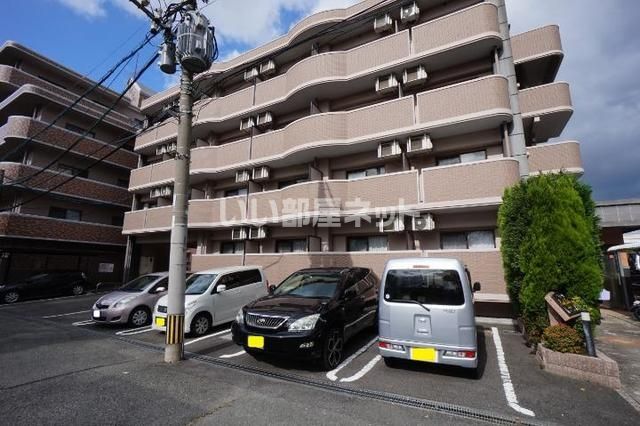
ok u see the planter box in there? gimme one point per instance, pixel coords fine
(601, 370)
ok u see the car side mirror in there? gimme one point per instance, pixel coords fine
(221, 288)
(476, 286)
(160, 290)
(271, 288)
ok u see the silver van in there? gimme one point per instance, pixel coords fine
(426, 312)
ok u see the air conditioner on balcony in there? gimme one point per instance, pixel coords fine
(247, 123)
(383, 23)
(409, 12)
(257, 233)
(389, 149)
(268, 68)
(265, 119)
(419, 143)
(243, 176)
(386, 83)
(391, 225)
(424, 222)
(250, 74)
(414, 76)
(261, 173)
(239, 233)
(165, 191)
(167, 148)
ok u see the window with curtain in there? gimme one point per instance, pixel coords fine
(467, 240)
(370, 243)
(291, 246)
(467, 157)
(371, 171)
(231, 247)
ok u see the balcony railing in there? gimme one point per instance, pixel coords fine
(29, 226)
(546, 110)
(555, 157)
(536, 44)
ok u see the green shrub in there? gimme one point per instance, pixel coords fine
(562, 338)
(549, 243)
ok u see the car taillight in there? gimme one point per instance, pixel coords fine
(390, 346)
(460, 354)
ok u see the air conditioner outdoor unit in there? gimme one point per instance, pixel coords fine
(414, 76)
(419, 143)
(386, 83)
(409, 12)
(243, 176)
(250, 74)
(383, 23)
(389, 149)
(387, 225)
(165, 191)
(265, 119)
(268, 68)
(424, 222)
(247, 123)
(261, 173)
(239, 233)
(257, 233)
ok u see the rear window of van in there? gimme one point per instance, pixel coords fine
(426, 286)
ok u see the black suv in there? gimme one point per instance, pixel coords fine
(310, 314)
(47, 284)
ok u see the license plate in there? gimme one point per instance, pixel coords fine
(96, 313)
(423, 354)
(160, 321)
(256, 342)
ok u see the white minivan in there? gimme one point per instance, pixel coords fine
(214, 297)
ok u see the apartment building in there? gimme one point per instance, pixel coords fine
(384, 130)
(77, 226)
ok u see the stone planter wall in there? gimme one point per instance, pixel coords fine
(601, 370)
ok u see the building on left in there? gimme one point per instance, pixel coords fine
(77, 226)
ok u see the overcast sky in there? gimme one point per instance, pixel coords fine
(601, 41)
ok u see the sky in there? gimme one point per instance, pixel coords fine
(601, 41)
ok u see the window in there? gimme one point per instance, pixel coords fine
(427, 286)
(71, 170)
(291, 246)
(124, 183)
(468, 240)
(235, 192)
(117, 220)
(310, 284)
(371, 171)
(284, 183)
(231, 247)
(376, 243)
(68, 214)
(199, 283)
(249, 277)
(79, 130)
(463, 158)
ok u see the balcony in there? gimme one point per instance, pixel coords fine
(27, 84)
(22, 128)
(473, 105)
(152, 175)
(546, 110)
(34, 227)
(537, 55)
(469, 183)
(555, 157)
(77, 187)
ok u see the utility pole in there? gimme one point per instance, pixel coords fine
(196, 45)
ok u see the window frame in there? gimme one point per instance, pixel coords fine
(459, 158)
(235, 244)
(380, 170)
(466, 235)
(291, 241)
(368, 238)
(66, 213)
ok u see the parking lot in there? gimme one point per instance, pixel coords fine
(510, 386)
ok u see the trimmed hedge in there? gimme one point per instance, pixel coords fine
(550, 242)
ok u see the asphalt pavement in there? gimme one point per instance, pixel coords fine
(57, 366)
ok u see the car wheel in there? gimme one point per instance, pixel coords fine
(200, 325)
(77, 289)
(332, 349)
(11, 297)
(390, 362)
(139, 316)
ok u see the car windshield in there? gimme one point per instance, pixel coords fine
(310, 284)
(428, 286)
(139, 284)
(199, 283)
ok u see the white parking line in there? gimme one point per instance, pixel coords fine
(29, 302)
(66, 315)
(233, 355)
(133, 331)
(507, 384)
(81, 323)
(364, 370)
(219, 333)
(331, 375)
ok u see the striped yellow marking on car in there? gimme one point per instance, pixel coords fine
(423, 354)
(256, 342)
(175, 329)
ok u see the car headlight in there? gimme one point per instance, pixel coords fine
(305, 323)
(123, 302)
(240, 317)
(190, 305)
